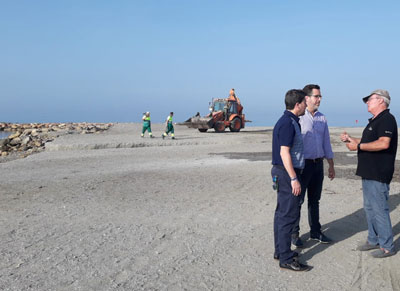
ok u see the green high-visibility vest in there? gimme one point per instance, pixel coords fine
(169, 118)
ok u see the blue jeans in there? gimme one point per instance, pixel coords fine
(376, 195)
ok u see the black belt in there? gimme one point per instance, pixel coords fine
(315, 160)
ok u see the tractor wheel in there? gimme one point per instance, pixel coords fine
(219, 126)
(236, 125)
(202, 129)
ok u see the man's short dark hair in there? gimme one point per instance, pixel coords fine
(308, 89)
(294, 96)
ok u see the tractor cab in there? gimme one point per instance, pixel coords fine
(218, 105)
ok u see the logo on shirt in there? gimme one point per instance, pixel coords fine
(387, 131)
(370, 128)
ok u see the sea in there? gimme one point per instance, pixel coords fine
(4, 134)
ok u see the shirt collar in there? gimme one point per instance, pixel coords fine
(379, 115)
(309, 113)
(290, 114)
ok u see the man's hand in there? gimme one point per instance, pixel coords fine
(331, 169)
(331, 173)
(296, 187)
(352, 144)
(345, 137)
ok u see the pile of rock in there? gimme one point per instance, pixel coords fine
(30, 138)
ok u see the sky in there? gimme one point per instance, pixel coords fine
(110, 61)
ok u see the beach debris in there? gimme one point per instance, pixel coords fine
(28, 138)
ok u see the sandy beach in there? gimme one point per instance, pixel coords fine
(113, 211)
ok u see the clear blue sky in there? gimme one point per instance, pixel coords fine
(109, 61)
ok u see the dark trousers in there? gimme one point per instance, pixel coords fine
(311, 181)
(287, 212)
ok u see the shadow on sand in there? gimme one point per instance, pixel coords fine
(344, 228)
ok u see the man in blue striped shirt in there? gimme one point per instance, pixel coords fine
(317, 147)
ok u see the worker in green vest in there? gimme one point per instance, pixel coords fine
(170, 127)
(146, 124)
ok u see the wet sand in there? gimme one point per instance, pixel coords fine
(114, 211)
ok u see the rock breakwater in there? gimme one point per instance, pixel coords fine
(28, 138)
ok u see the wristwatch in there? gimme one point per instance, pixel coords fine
(293, 179)
(358, 147)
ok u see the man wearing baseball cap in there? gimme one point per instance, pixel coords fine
(376, 151)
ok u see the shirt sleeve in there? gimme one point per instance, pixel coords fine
(327, 143)
(286, 134)
(386, 127)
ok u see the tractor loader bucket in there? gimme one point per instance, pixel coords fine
(198, 122)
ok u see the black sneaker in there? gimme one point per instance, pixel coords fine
(163, 136)
(321, 238)
(297, 242)
(295, 266)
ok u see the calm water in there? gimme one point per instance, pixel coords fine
(4, 134)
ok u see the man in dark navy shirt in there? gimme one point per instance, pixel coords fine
(288, 162)
(376, 157)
